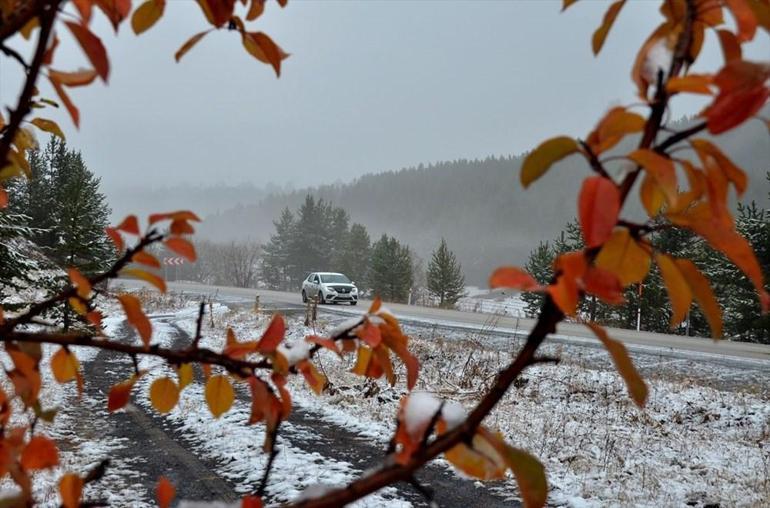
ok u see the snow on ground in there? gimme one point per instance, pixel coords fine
(692, 444)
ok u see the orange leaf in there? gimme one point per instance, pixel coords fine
(679, 292)
(603, 284)
(742, 93)
(661, 169)
(145, 258)
(115, 10)
(255, 10)
(153, 279)
(147, 15)
(731, 48)
(513, 277)
(544, 156)
(707, 150)
(565, 293)
(133, 309)
(598, 209)
(116, 238)
(219, 395)
(370, 334)
(280, 383)
(613, 127)
(637, 388)
(71, 108)
(130, 225)
(262, 47)
(274, 334)
(701, 290)
(623, 256)
(80, 283)
(609, 18)
(639, 71)
(181, 227)
(375, 306)
(315, 379)
(181, 247)
(529, 472)
(692, 83)
(65, 366)
(178, 215)
(744, 18)
(120, 394)
(651, 196)
(84, 8)
(81, 77)
(164, 492)
(217, 12)
(323, 342)
(3, 198)
(70, 490)
(164, 394)
(40, 453)
(192, 41)
(93, 48)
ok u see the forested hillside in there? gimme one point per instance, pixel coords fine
(478, 206)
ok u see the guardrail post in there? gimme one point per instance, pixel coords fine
(256, 304)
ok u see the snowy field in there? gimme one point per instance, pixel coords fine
(696, 443)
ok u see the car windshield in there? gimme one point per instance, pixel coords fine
(334, 278)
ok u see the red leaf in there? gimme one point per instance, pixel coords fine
(179, 215)
(93, 48)
(3, 198)
(165, 492)
(744, 18)
(251, 502)
(130, 225)
(370, 334)
(181, 247)
(742, 93)
(273, 335)
(513, 277)
(120, 394)
(40, 453)
(598, 209)
(71, 108)
(604, 284)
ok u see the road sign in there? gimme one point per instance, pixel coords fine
(173, 261)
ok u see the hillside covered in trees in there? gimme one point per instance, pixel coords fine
(478, 206)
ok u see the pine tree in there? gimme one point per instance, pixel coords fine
(355, 257)
(276, 260)
(390, 274)
(445, 277)
(540, 266)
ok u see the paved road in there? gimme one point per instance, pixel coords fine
(567, 332)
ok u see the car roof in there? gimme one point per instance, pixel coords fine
(329, 273)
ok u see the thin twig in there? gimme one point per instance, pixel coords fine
(270, 460)
(197, 338)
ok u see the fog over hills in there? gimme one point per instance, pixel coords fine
(477, 205)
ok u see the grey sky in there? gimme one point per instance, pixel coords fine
(370, 86)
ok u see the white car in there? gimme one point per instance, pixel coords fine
(329, 287)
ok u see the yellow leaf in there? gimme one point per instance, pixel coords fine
(637, 388)
(219, 395)
(661, 169)
(147, 15)
(529, 472)
(185, 373)
(609, 18)
(651, 196)
(164, 394)
(678, 290)
(64, 366)
(78, 305)
(701, 290)
(623, 256)
(544, 156)
(48, 126)
(707, 150)
(153, 279)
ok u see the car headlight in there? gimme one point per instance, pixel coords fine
(331, 290)
(354, 290)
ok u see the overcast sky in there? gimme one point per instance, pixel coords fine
(370, 86)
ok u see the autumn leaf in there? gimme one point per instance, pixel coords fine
(637, 388)
(251, 501)
(116, 238)
(603, 284)
(133, 309)
(528, 471)
(70, 490)
(147, 15)
(679, 292)
(65, 366)
(187, 46)
(48, 126)
(598, 209)
(145, 258)
(661, 169)
(623, 256)
(93, 48)
(743, 91)
(731, 48)
(40, 453)
(651, 196)
(323, 342)
(182, 247)
(704, 295)
(153, 279)
(611, 129)
(262, 47)
(164, 492)
(744, 18)
(544, 156)
(513, 277)
(120, 394)
(130, 225)
(255, 10)
(708, 151)
(692, 83)
(370, 334)
(172, 216)
(274, 334)
(219, 395)
(609, 18)
(565, 293)
(164, 394)
(80, 283)
(185, 373)
(315, 380)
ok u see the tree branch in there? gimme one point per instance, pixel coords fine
(679, 136)
(46, 11)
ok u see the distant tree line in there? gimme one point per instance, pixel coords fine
(648, 305)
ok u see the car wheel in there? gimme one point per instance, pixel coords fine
(353, 303)
(304, 296)
(320, 298)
